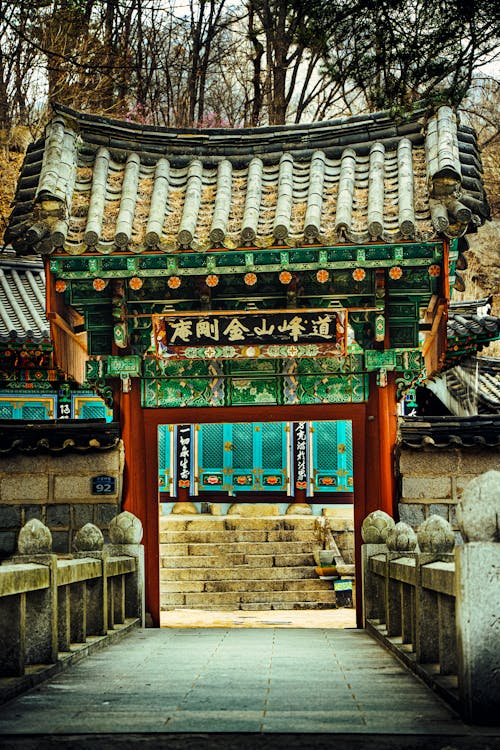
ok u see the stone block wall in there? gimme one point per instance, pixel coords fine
(57, 489)
(432, 480)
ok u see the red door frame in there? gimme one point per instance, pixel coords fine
(374, 431)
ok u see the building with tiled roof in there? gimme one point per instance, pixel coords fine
(270, 283)
(32, 387)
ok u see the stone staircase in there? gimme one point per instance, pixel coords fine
(231, 562)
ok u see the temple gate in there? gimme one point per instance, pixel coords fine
(289, 276)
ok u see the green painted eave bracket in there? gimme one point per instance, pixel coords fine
(240, 262)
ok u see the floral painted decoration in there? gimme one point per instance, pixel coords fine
(395, 272)
(272, 480)
(359, 274)
(285, 277)
(174, 282)
(249, 278)
(99, 284)
(322, 276)
(60, 285)
(135, 283)
(212, 280)
(434, 270)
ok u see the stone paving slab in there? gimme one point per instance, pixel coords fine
(282, 682)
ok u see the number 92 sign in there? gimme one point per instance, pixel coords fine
(103, 485)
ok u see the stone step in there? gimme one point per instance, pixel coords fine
(235, 599)
(233, 562)
(235, 523)
(220, 561)
(184, 536)
(245, 548)
(193, 587)
(236, 573)
(253, 607)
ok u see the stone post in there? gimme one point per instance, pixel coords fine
(435, 637)
(125, 533)
(401, 542)
(39, 612)
(374, 531)
(89, 542)
(477, 584)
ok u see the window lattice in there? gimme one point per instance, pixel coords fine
(243, 445)
(93, 411)
(326, 445)
(212, 446)
(34, 412)
(272, 443)
(6, 411)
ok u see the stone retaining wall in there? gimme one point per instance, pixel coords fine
(432, 480)
(57, 489)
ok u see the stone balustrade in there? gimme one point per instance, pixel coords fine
(437, 605)
(53, 608)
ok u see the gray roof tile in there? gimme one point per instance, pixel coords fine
(22, 301)
(390, 172)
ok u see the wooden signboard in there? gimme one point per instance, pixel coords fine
(177, 334)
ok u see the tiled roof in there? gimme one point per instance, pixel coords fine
(22, 301)
(448, 432)
(99, 184)
(472, 325)
(58, 436)
(472, 387)
(469, 328)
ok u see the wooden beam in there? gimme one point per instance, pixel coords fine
(58, 321)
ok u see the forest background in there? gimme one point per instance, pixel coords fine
(245, 63)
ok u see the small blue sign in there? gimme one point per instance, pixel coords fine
(103, 485)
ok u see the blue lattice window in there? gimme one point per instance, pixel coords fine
(332, 467)
(33, 408)
(245, 457)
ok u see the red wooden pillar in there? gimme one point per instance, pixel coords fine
(140, 484)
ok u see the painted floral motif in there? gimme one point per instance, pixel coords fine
(174, 282)
(272, 480)
(212, 280)
(327, 481)
(249, 278)
(359, 274)
(243, 479)
(213, 479)
(434, 270)
(322, 276)
(99, 284)
(183, 482)
(135, 283)
(60, 286)
(395, 273)
(285, 277)
(301, 485)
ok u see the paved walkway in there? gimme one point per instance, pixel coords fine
(285, 687)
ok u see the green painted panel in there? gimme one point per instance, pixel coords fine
(249, 391)
(332, 390)
(252, 366)
(404, 335)
(174, 392)
(99, 343)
